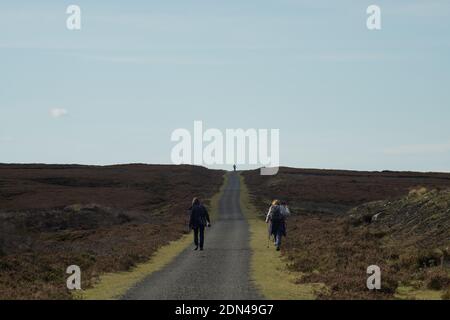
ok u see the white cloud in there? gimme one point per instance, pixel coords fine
(58, 112)
(415, 149)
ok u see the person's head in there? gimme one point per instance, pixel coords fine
(276, 202)
(195, 201)
(283, 203)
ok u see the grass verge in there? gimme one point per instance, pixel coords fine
(113, 285)
(411, 293)
(269, 269)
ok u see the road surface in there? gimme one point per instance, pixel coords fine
(221, 271)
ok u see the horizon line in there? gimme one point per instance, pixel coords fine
(201, 166)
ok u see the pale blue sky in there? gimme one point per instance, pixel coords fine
(342, 96)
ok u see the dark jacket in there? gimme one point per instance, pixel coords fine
(199, 216)
(278, 227)
(275, 227)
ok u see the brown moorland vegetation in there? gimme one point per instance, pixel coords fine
(103, 219)
(344, 221)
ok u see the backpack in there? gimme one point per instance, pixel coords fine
(277, 216)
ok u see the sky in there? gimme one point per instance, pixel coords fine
(343, 96)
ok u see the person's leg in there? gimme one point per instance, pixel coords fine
(202, 237)
(278, 240)
(196, 238)
(276, 231)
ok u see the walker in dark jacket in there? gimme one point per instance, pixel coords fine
(198, 220)
(277, 227)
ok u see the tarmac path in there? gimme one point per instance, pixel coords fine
(220, 271)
